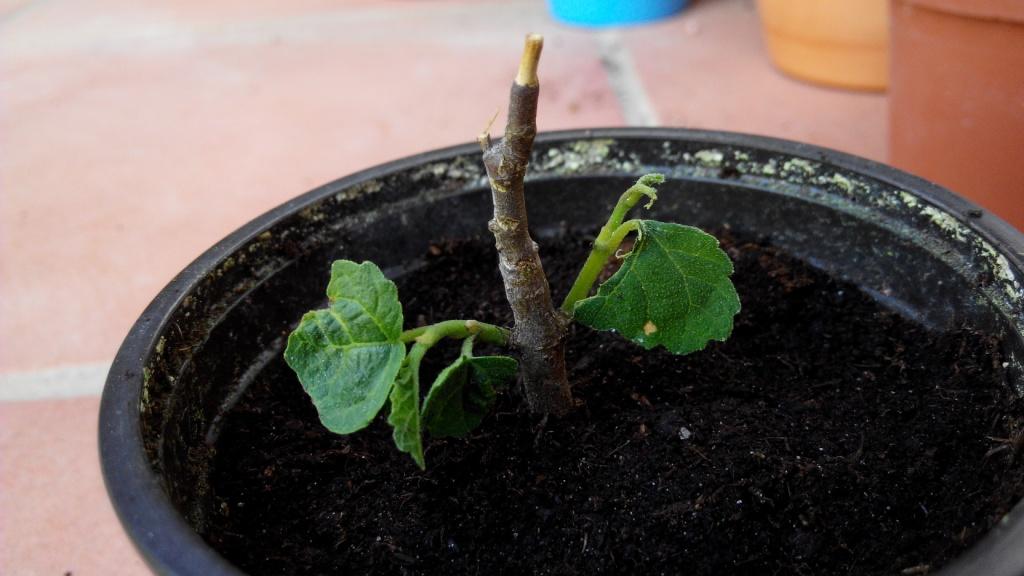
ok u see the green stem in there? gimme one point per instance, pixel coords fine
(607, 243)
(467, 346)
(415, 355)
(458, 329)
(610, 237)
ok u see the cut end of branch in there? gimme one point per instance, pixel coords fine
(527, 75)
(484, 138)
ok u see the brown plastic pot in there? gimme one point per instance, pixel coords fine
(957, 98)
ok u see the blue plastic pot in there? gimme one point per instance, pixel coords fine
(613, 12)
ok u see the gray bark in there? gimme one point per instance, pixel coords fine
(540, 328)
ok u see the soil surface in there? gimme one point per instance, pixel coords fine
(827, 436)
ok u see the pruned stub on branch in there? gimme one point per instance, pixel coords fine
(540, 329)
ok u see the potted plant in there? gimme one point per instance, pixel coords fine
(864, 415)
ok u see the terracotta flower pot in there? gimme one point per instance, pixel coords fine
(835, 42)
(957, 98)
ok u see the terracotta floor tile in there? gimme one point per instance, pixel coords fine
(135, 140)
(10, 8)
(54, 514)
(710, 69)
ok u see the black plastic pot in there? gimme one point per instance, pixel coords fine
(919, 248)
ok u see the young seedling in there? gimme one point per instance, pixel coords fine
(353, 357)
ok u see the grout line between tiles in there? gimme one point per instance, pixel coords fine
(625, 80)
(54, 383)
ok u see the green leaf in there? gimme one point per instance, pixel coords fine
(405, 410)
(464, 392)
(347, 355)
(645, 185)
(368, 298)
(672, 290)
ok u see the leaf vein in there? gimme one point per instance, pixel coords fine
(367, 312)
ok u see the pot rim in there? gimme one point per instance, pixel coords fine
(1006, 11)
(137, 493)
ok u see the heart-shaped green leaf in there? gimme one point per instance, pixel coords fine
(347, 355)
(464, 392)
(405, 410)
(672, 290)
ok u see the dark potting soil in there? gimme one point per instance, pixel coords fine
(827, 436)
